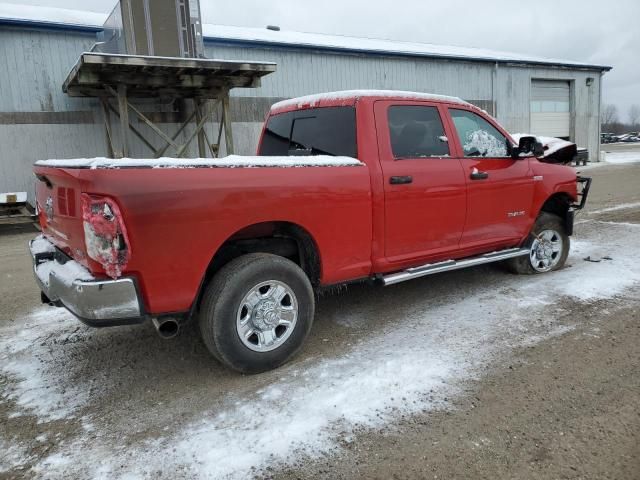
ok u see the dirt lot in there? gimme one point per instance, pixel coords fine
(472, 374)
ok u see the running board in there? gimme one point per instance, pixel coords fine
(449, 265)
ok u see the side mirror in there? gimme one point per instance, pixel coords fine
(530, 146)
(538, 149)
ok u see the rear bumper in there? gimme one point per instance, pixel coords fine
(98, 303)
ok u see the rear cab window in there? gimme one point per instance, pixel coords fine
(317, 131)
(478, 138)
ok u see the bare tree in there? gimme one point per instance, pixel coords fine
(609, 114)
(634, 115)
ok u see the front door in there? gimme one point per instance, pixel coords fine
(424, 186)
(500, 189)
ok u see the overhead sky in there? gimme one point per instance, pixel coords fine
(584, 30)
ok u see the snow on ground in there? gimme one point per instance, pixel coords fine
(11, 455)
(623, 157)
(408, 366)
(621, 206)
(37, 387)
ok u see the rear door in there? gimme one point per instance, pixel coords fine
(499, 188)
(424, 186)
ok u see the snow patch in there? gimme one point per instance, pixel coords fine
(67, 273)
(409, 367)
(350, 95)
(63, 16)
(311, 405)
(622, 157)
(12, 455)
(342, 42)
(485, 144)
(41, 245)
(622, 206)
(53, 15)
(34, 384)
(232, 161)
(551, 144)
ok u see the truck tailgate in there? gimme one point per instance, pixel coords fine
(58, 201)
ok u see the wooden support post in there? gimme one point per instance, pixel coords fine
(176, 135)
(228, 133)
(107, 127)
(220, 128)
(203, 120)
(202, 152)
(153, 127)
(124, 118)
(209, 144)
(137, 133)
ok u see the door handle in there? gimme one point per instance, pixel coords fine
(401, 180)
(476, 175)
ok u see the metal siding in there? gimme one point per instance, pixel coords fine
(514, 99)
(37, 62)
(303, 73)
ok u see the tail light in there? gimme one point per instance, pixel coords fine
(105, 235)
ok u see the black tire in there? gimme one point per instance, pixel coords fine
(222, 300)
(546, 221)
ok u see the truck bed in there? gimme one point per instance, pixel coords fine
(178, 213)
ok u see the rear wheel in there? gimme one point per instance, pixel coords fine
(548, 246)
(256, 312)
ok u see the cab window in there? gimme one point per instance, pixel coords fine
(478, 137)
(316, 131)
(416, 132)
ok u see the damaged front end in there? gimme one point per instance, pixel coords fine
(555, 150)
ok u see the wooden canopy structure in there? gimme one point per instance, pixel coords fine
(117, 79)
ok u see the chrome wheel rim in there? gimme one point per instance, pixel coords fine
(267, 316)
(546, 251)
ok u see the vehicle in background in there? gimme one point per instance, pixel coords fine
(350, 186)
(608, 138)
(629, 137)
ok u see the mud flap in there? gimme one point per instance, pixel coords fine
(569, 221)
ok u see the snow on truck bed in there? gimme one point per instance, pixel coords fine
(232, 161)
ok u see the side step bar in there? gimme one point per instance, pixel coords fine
(449, 265)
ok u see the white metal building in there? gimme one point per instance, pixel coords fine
(39, 45)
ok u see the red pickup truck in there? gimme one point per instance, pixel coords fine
(349, 186)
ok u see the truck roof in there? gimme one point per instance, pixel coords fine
(350, 97)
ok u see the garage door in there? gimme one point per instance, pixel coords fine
(550, 108)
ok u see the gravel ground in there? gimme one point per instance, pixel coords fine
(471, 374)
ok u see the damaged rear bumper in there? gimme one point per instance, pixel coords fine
(97, 303)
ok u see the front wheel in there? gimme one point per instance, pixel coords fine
(256, 312)
(548, 246)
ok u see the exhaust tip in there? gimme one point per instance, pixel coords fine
(167, 328)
